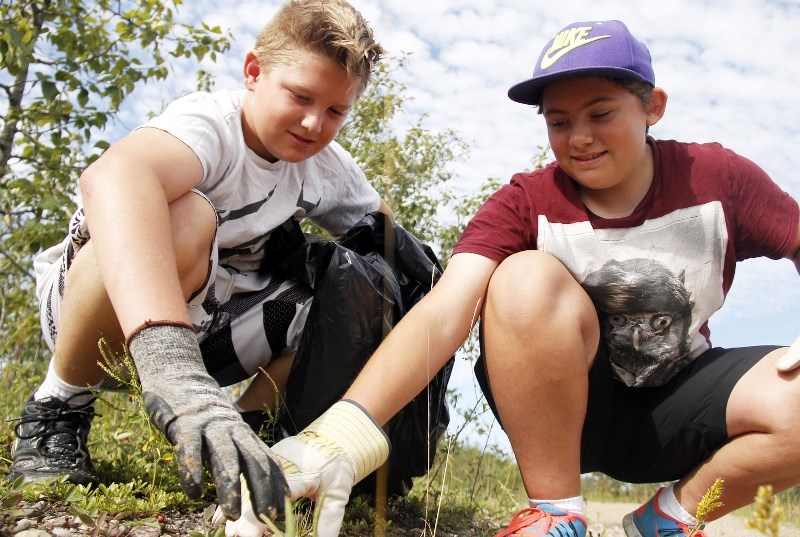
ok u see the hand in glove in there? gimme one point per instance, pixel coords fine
(323, 462)
(248, 525)
(791, 359)
(188, 406)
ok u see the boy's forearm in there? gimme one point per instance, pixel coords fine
(424, 339)
(405, 363)
(132, 244)
(129, 221)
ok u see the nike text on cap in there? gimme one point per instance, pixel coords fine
(604, 48)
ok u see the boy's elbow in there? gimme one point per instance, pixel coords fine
(87, 180)
(98, 171)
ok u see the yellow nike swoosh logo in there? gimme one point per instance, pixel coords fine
(548, 61)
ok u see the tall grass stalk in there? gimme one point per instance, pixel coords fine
(767, 512)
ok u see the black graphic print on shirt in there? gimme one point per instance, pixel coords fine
(646, 314)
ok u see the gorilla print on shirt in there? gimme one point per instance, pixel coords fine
(646, 312)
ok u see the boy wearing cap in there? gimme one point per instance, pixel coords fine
(594, 278)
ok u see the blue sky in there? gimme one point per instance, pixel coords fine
(728, 66)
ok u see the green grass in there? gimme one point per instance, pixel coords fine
(469, 491)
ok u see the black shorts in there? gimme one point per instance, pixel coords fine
(650, 435)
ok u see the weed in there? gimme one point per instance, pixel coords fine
(289, 524)
(767, 512)
(127, 427)
(707, 504)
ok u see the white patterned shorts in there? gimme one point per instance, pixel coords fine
(244, 319)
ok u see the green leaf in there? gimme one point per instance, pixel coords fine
(83, 97)
(49, 90)
(82, 515)
(15, 37)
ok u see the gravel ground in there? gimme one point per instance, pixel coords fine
(39, 520)
(42, 520)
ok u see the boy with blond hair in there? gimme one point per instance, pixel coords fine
(595, 278)
(164, 255)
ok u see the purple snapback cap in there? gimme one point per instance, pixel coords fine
(601, 48)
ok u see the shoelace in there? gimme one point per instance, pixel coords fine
(677, 532)
(63, 445)
(524, 518)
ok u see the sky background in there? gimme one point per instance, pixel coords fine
(729, 68)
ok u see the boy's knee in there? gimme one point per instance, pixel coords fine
(194, 226)
(765, 401)
(530, 280)
(534, 290)
(785, 395)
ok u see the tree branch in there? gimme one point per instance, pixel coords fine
(15, 264)
(14, 111)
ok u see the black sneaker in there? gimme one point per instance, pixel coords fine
(51, 441)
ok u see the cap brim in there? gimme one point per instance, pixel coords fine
(530, 91)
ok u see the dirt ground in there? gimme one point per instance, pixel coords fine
(45, 520)
(608, 516)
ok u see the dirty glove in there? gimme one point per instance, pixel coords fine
(188, 406)
(323, 462)
(791, 359)
(248, 525)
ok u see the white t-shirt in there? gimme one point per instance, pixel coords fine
(251, 195)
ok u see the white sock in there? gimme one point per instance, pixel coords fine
(668, 504)
(53, 386)
(573, 505)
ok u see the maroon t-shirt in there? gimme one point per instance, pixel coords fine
(658, 274)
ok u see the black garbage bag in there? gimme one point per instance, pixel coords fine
(363, 285)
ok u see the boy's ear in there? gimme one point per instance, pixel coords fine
(657, 106)
(252, 69)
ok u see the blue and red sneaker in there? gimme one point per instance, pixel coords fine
(649, 521)
(545, 520)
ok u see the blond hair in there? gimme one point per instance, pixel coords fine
(333, 28)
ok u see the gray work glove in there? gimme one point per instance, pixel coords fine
(188, 406)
